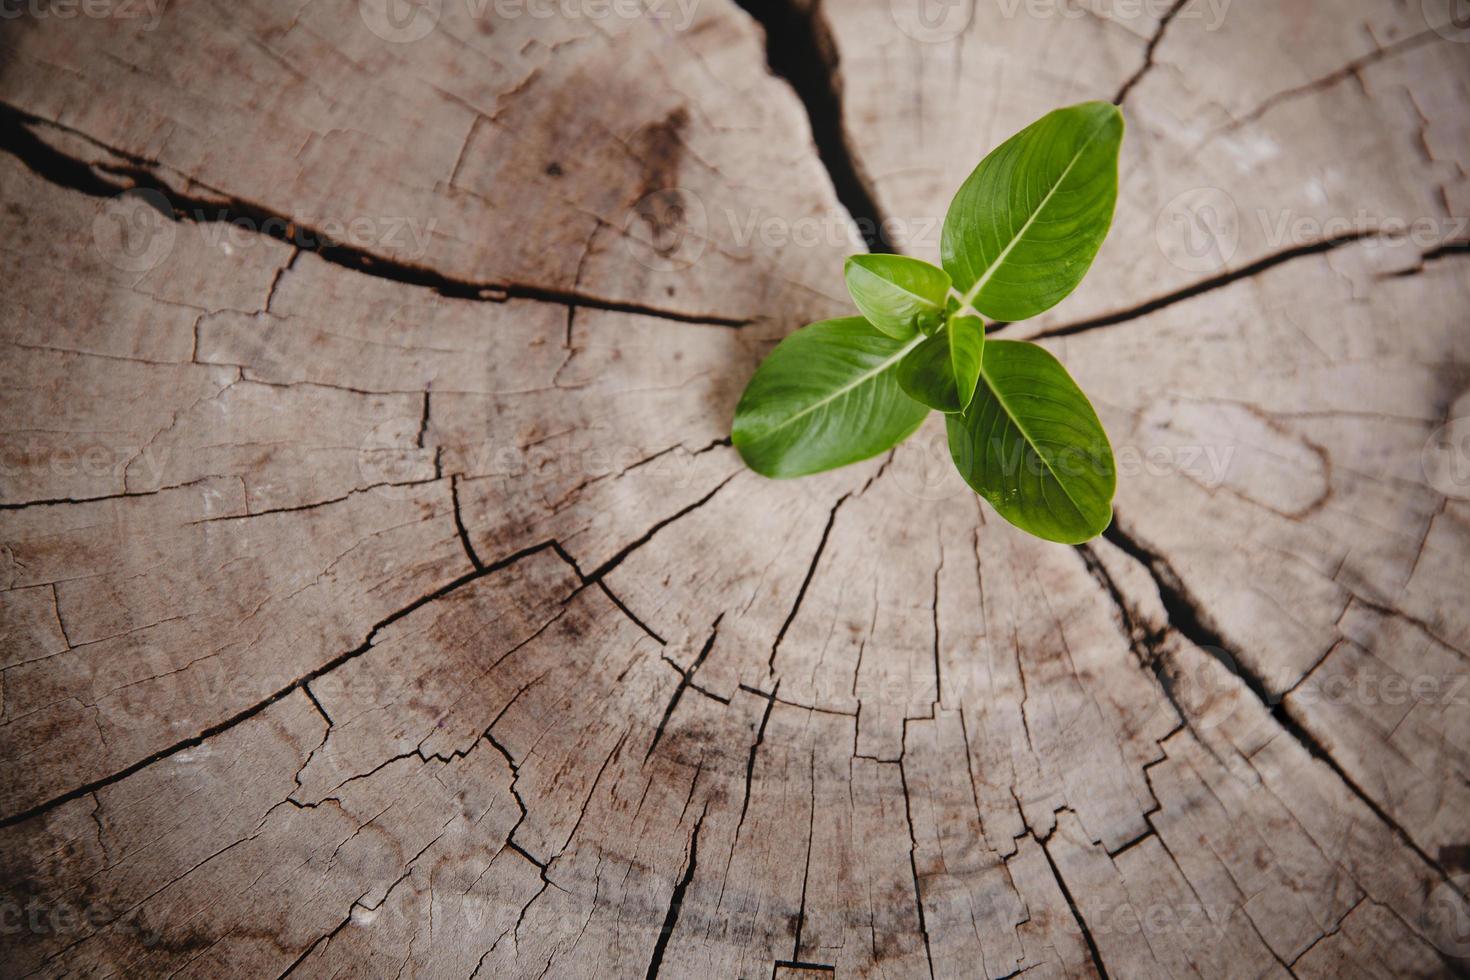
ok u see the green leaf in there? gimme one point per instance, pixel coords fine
(826, 396)
(943, 370)
(1032, 446)
(1025, 226)
(966, 348)
(899, 295)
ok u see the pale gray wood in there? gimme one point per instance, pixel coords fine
(415, 618)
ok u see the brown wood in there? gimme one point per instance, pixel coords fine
(382, 596)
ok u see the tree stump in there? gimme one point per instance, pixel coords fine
(383, 597)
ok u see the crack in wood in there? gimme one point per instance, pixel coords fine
(799, 51)
(1445, 250)
(1190, 621)
(612, 563)
(1092, 951)
(676, 900)
(256, 708)
(1349, 70)
(686, 678)
(806, 872)
(1148, 52)
(811, 571)
(17, 137)
(760, 737)
(908, 814)
(1204, 286)
(1185, 616)
(464, 534)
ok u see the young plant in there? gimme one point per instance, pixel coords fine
(1020, 235)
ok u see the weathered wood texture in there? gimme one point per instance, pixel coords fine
(382, 597)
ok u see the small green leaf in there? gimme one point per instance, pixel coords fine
(1031, 445)
(1025, 226)
(826, 396)
(943, 370)
(899, 295)
(966, 348)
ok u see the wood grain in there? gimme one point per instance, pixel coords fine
(382, 596)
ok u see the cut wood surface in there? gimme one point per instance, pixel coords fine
(383, 597)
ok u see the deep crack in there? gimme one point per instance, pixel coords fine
(799, 50)
(676, 900)
(247, 713)
(1205, 286)
(684, 682)
(1188, 620)
(1148, 52)
(17, 137)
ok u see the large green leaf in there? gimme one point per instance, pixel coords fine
(899, 295)
(825, 397)
(1032, 446)
(1025, 226)
(943, 370)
